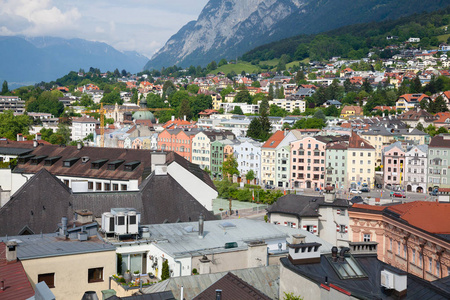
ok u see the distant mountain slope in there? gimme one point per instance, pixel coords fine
(30, 60)
(229, 28)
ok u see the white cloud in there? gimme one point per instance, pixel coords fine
(140, 25)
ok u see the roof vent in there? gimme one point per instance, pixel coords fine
(84, 159)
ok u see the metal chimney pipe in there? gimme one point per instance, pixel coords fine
(90, 295)
(218, 294)
(2, 285)
(182, 293)
(200, 226)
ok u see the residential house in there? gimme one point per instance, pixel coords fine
(336, 170)
(446, 96)
(413, 117)
(201, 146)
(348, 273)
(174, 190)
(69, 267)
(439, 162)
(410, 101)
(178, 140)
(282, 166)
(394, 166)
(412, 236)
(443, 120)
(268, 158)
(13, 103)
(326, 217)
(82, 127)
(351, 111)
(416, 167)
(378, 137)
(16, 285)
(289, 105)
(248, 157)
(360, 162)
(336, 103)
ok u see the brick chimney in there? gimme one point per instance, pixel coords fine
(11, 251)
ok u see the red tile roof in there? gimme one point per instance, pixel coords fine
(369, 207)
(430, 216)
(357, 142)
(17, 285)
(414, 97)
(274, 140)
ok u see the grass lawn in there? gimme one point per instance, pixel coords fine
(443, 38)
(237, 68)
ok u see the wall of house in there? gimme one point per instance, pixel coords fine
(329, 218)
(156, 257)
(284, 219)
(193, 185)
(201, 145)
(394, 238)
(393, 166)
(282, 167)
(268, 166)
(291, 282)
(416, 170)
(71, 272)
(360, 167)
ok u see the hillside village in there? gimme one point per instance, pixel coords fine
(109, 183)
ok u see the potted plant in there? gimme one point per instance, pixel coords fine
(136, 274)
(151, 276)
(127, 276)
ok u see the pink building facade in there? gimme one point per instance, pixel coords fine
(393, 165)
(307, 163)
(415, 246)
(177, 140)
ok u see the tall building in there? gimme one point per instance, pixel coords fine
(393, 166)
(248, 156)
(439, 162)
(360, 162)
(336, 160)
(416, 162)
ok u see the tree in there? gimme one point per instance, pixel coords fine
(47, 102)
(155, 101)
(165, 273)
(416, 86)
(237, 111)
(11, 125)
(226, 91)
(250, 176)
(420, 127)
(254, 129)
(264, 107)
(256, 84)
(222, 62)
(290, 296)
(243, 97)
(86, 100)
(230, 166)
(185, 110)
(270, 94)
(320, 115)
(5, 88)
(112, 98)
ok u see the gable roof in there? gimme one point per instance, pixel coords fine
(265, 279)
(348, 108)
(274, 140)
(414, 97)
(357, 142)
(302, 206)
(41, 202)
(232, 287)
(17, 285)
(440, 141)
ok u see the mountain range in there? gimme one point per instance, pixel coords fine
(229, 28)
(26, 61)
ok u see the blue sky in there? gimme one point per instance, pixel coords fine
(140, 25)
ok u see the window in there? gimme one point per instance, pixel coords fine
(98, 186)
(95, 275)
(90, 185)
(390, 244)
(115, 186)
(430, 264)
(413, 259)
(107, 186)
(404, 251)
(366, 237)
(48, 278)
(398, 248)
(343, 229)
(420, 259)
(66, 182)
(438, 268)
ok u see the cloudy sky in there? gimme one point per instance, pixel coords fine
(140, 25)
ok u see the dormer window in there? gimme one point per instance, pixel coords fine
(132, 165)
(98, 164)
(51, 160)
(37, 159)
(70, 162)
(115, 164)
(25, 159)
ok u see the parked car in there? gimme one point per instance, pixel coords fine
(398, 195)
(357, 199)
(355, 191)
(434, 192)
(365, 190)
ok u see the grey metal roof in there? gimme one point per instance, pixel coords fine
(265, 279)
(14, 151)
(52, 244)
(176, 241)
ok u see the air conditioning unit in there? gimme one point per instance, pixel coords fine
(133, 222)
(387, 279)
(120, 222)
(108, 222)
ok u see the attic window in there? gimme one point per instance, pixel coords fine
(51, 160)
(37, 159)
(98, 164)
(132, 165)
(115, 164)
(70, 162)
(231, 245)
(25, 159)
